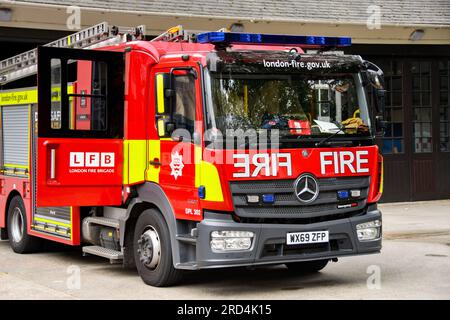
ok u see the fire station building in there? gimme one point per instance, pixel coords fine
(408, 39)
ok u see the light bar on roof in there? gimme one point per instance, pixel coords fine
(271, 39)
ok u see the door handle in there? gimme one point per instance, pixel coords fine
(155, 162)
(52, 163)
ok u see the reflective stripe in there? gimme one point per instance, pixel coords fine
(71, 224)
(209, 177)
(382, 177)
(11, 98)
(206, 174)
(15, 172)
(29, 96)
(15, 166)
(52, 229)
(161, 129)
(160, 92)
(15, 169)
(134, 161)
(197, 160)
(154, 152)
(56, 223)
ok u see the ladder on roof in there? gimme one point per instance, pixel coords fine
(25, 64)
(176, 34)
(179, 34)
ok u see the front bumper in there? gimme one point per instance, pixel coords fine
(269, 244)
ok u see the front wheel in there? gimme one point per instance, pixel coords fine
(19, 239)
(153, 251)
(307, 266)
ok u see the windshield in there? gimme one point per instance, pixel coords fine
(311, 98)
(294, 104)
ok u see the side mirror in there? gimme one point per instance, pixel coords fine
(380, 96)
(375, 79)
(380, 126)
(380, 123)
(374, 74)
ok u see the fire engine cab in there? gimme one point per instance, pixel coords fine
(194, 150)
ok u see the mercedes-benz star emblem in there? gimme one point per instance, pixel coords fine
(306, 188)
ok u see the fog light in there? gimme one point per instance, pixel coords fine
(252, 198)
(355, 193)
(222, 241)
(369, 230)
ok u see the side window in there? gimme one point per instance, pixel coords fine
(184, 107)
(83, 95)
(87, 96)
(55, 77)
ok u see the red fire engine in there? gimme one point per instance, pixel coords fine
(193, 150)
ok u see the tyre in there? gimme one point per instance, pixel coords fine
(19, 240)
(153, 251)
(307, 266)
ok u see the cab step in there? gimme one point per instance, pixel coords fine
(108, 222)
(187, 238)
(187, 266)
(113, 255)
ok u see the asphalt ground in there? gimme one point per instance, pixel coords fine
(414, 264)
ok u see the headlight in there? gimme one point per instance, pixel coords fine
(369, 230)
(222, 241)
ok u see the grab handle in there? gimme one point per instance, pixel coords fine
(52, 163)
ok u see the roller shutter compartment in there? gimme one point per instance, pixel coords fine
(15, 136)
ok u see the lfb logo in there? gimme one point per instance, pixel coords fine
(92, 159)
(176, 165)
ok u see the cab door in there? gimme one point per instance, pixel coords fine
(179, 148)
(80, 127)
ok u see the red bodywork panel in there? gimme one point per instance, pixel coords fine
(9, 184)
(274, 165)
(87, 172)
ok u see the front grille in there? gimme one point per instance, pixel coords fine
(287, 206)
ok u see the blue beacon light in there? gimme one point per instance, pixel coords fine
(271, 39)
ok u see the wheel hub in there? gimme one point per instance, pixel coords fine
(17, 225)
(149, 248)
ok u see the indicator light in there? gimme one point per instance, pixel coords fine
(268, 198)
(202, 192)
(342, 194)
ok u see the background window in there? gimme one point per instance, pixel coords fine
(87, 100)
(393, 140)
(444, 106)
(421, 107)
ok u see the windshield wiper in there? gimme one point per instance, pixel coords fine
(325, 140)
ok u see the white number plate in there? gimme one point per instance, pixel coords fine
(307, 237)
